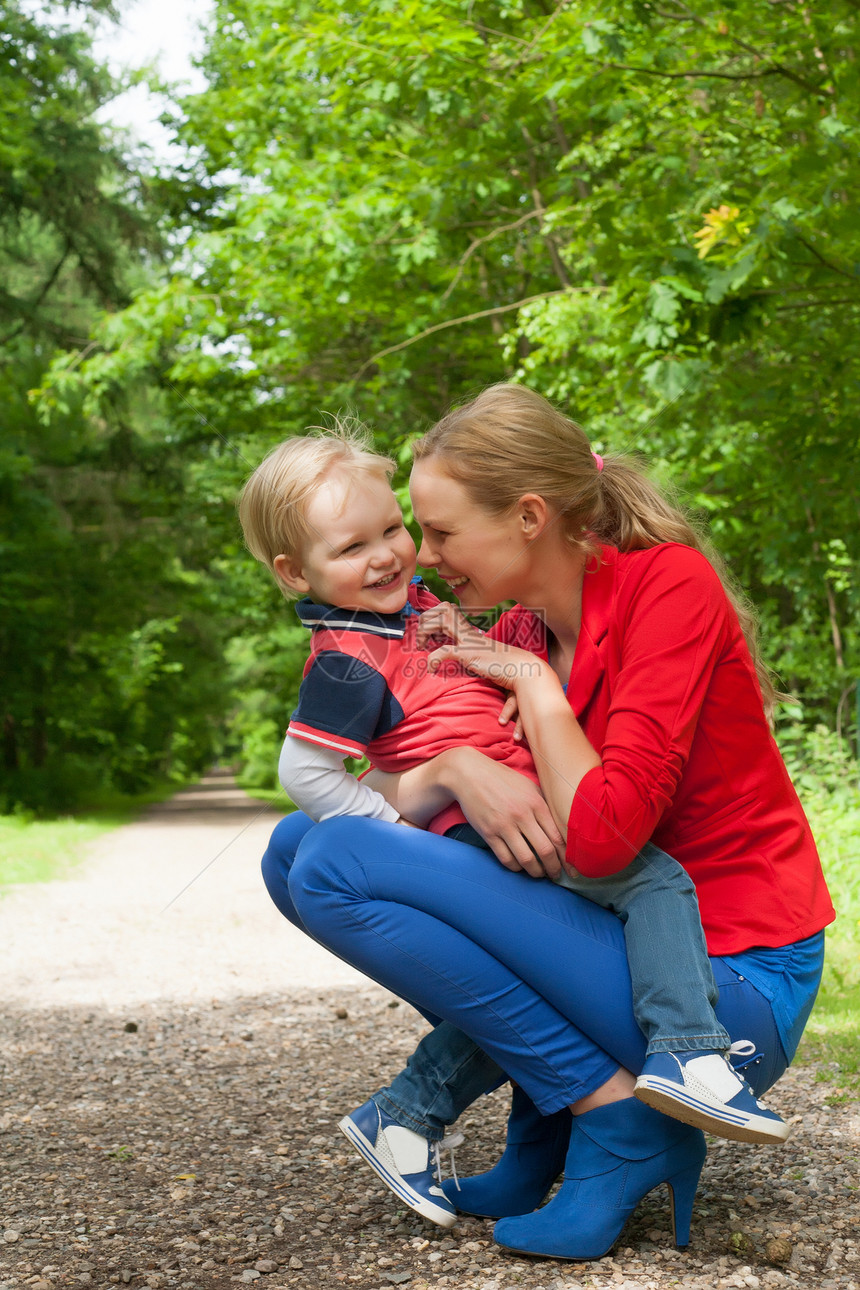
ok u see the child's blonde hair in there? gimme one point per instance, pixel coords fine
(510, 440)
(273, 502)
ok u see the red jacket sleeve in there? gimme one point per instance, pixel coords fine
(672, 623)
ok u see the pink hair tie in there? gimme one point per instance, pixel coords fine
(597, 457)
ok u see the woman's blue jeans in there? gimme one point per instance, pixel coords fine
(532, 982)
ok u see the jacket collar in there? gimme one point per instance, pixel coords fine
(318, 617)
(598, 596)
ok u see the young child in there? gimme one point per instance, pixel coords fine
(320, 513)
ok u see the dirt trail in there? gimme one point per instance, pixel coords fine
(169, 908)
(175, 1057)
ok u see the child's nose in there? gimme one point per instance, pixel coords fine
(385, 553)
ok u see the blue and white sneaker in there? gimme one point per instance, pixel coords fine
(406, 1162)
(703, 1089)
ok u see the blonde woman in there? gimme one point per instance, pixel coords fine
(644, 710)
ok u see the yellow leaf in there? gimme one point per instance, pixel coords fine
(722, 224)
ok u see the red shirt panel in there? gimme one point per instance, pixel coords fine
(664, 687)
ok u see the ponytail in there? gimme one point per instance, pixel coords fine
(509, 441)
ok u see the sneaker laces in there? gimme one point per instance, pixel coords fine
(448, 1143)
(744, 1048)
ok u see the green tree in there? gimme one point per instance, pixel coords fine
(109, 662)
(642, 212)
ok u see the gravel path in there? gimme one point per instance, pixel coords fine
(171, 1075)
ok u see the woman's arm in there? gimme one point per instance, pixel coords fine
(673, 622)
(506, 808)
(561, 750)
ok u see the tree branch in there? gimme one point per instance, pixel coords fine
(491, 31)
(467, 318)
(32, 305)
(674, 76)
(82, 354)
(537, 39)
(843, 273)
(833, 617)
(552, 246)
(479, 241)
(819, 304)
(560, 134)
(554, 254)
(778, 68)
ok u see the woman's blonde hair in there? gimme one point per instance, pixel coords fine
(273, 502)
(509, 441)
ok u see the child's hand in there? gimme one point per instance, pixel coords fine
(511, 709)
(504, 665)
(444, 623)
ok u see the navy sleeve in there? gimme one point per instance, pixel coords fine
(342, 702)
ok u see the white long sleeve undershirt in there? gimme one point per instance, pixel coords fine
(316, 779)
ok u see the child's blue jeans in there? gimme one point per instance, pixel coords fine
(674, 993)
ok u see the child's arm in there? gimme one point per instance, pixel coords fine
(316, 779)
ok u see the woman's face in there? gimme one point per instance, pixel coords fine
(481, 556)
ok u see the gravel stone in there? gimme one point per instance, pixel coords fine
(151, 1173)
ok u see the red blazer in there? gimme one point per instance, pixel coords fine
(664, 687)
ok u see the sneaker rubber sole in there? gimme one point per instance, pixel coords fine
(395, 1181)
(722, 1121)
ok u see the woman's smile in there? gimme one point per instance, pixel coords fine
(455, 528)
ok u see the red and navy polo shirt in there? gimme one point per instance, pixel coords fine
(367, 690)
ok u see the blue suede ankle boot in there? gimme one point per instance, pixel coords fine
(617, 1154)
(533, 1158)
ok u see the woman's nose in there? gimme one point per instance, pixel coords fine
(427, 557)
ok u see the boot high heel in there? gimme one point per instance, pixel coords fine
(617, 1154)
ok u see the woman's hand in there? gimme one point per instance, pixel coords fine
(511, 709)
(504, 665)
(508, 810)
(558, 744)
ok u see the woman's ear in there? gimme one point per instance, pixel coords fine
(533, 514)
(288, 570)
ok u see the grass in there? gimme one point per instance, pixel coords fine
(34, 850)
(275, 797)
(833, 1034)
(38, 850)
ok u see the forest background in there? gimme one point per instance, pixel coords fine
(646, 211)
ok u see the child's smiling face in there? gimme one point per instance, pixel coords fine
(359, 554)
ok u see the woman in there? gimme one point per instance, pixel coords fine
(645, 712)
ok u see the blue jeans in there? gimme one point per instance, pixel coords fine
(674, 993)
(537, 978)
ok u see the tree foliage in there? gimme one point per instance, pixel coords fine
(643, 211)
(109, 663)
